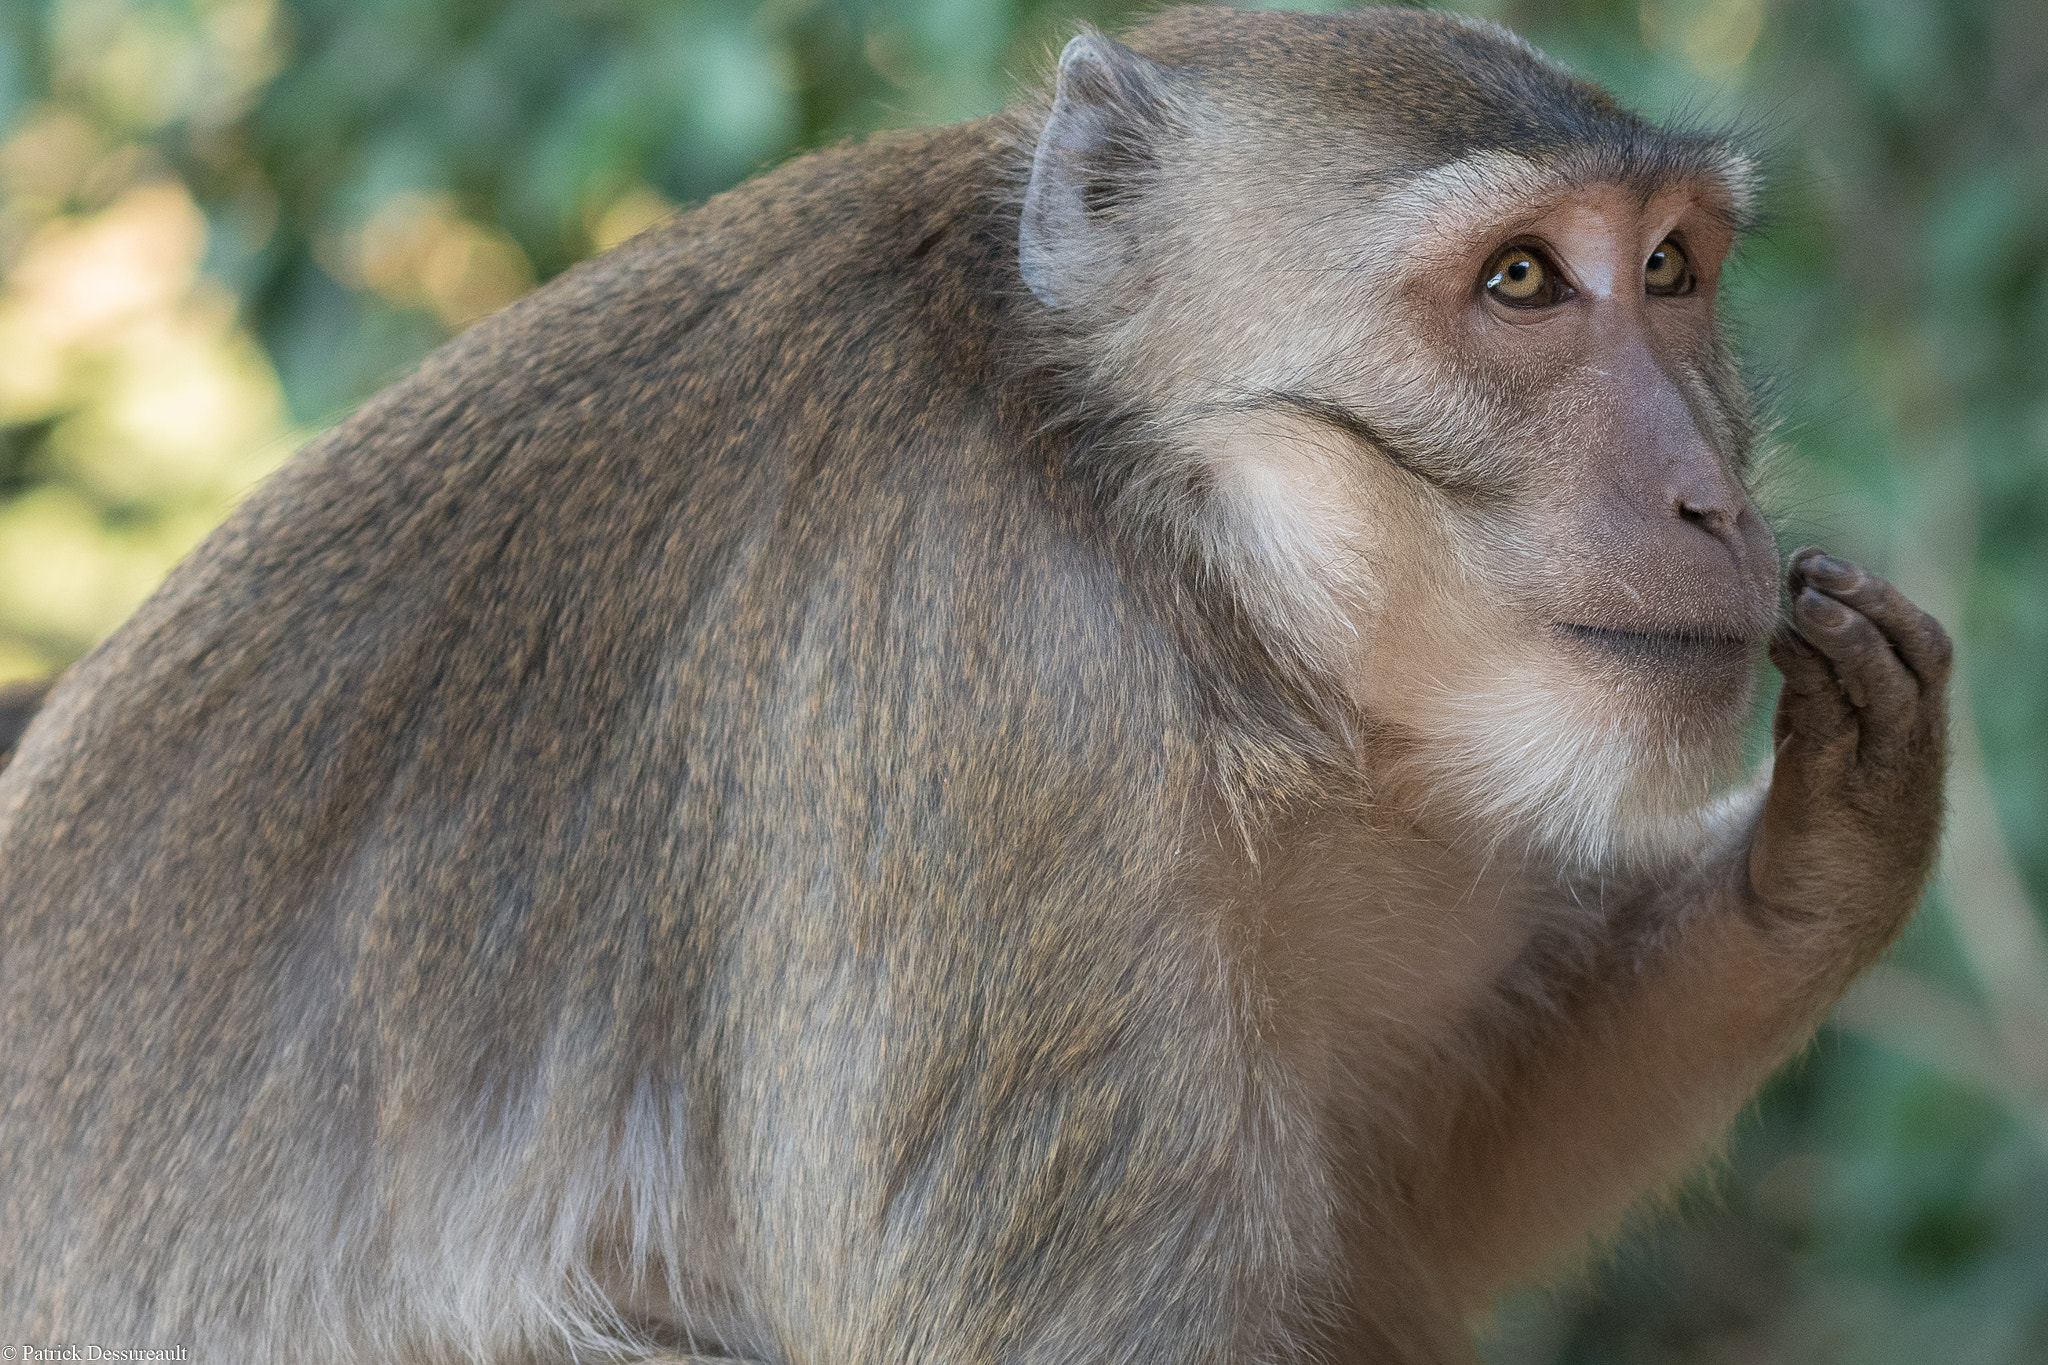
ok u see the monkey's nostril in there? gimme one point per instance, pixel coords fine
(1715, 521)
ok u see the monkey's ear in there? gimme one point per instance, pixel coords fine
(1106, 112)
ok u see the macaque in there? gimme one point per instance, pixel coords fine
(1110, 734)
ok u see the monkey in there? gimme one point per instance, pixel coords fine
(1109, 733)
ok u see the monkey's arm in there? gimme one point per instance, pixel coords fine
(1661, 1044)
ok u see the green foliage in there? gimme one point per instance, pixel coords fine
(223, 222)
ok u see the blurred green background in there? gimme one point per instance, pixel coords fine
(223, 222)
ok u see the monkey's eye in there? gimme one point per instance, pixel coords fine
(1521, 277)
(1667, 271)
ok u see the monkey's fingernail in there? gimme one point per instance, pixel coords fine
(1824, 611)
(1828, 567)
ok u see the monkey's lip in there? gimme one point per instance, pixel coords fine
(1679, 647)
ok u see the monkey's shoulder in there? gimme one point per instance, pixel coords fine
(745, 466)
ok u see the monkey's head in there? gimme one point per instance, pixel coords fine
(1418, 335)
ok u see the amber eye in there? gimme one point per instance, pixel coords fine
(1521, 278)
(1667, 271)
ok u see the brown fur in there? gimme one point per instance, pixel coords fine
(783, 799)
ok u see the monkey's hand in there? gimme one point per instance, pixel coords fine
(1848, 831)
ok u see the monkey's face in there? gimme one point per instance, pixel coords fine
(1461, 433)
(1487, 464)
(1592, 664)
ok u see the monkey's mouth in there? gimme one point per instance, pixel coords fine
(1666, 648)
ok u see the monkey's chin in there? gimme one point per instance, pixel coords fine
(1617, 766)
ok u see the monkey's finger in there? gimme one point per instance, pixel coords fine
(1813, 707)
(1917, 637)
(1870, 671)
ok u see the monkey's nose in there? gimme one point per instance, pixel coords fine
(1715, 520)
(1701, 493)
(1725, 513)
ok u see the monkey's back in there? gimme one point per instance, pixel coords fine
(573, 769)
